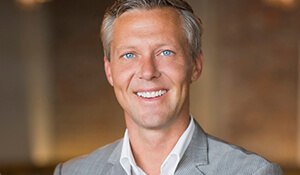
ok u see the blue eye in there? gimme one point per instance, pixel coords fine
(166, 53)
(128, 55)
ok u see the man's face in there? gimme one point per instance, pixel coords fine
(151, 68)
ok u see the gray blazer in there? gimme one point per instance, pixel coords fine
(205, 155)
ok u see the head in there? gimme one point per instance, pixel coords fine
(152, 54)
(191, 24)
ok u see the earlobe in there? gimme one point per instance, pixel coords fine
(198, 65)
(107, 68)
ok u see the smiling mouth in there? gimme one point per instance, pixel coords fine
(151, 94)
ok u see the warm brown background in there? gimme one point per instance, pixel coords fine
(55, 102)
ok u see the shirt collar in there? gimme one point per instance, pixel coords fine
(127, 160)
(169, 165)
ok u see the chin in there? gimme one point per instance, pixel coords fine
(153, 122)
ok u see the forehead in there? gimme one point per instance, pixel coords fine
(166, 17)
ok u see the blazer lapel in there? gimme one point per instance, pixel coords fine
(195, 157)
(113, 165)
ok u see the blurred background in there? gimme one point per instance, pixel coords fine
(55, 102)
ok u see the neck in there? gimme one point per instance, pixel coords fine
(151, 147)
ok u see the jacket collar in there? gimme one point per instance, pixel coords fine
(198, 148)
(196, 155)
(113, 165)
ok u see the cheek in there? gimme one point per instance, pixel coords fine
(122, 76)
(179, 73)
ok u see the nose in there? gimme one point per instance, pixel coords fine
(148, 69)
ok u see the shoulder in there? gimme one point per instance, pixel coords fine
(215, 156)
(237, 160)
(90, 163)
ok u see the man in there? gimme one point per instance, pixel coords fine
(152, 55)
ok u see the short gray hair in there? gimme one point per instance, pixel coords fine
(192, 25)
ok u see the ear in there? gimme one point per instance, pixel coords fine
(198, 66)
(107, 68)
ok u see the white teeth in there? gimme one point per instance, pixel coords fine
(152, 94)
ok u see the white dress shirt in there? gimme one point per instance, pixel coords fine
(171, 162)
